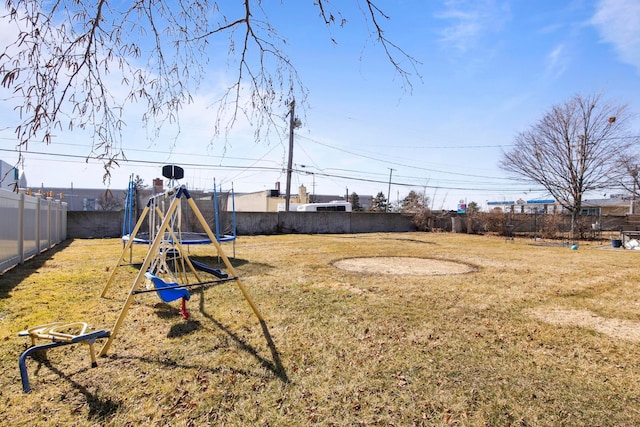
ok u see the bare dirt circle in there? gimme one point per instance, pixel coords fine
(403, 265)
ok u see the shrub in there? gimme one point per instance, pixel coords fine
(423, 220)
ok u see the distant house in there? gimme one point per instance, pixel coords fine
(10, 177)
(616, 205)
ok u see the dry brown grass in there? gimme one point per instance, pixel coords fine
(535, 335)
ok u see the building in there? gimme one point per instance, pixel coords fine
(11, 178)
(274, 201)
(88, 199)
(615, 205)
(267, 200)
(103, 199)
(525, 206)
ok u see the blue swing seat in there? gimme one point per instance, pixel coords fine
(167, 295)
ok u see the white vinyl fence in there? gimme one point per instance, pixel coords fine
(28, 226)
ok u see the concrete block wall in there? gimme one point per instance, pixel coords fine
(99, 224)
(94, 224)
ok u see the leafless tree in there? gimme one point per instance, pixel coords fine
(78, 64)
(630, 182)
(576, 147)
(495, 221)
(110, 202)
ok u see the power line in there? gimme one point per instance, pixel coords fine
(147, 151)
(84, 159)
(387, 161)
(144, 162)
(410, 185)
(501, 180)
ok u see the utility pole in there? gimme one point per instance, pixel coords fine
(293, 123)
(389, 190)
(634, 174)
(312, 199)
(313, 193)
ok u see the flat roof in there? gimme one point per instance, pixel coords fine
(521, 202)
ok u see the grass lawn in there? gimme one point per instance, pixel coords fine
(532, 335)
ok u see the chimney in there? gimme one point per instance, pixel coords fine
(302, 194)
(158, 186)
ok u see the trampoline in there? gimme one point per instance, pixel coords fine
(184, 238)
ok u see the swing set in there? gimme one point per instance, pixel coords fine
(166, 250)
(165, 270)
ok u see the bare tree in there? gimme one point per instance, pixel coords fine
(495, 221)
(109, 202)
(630, 182)
(575, 148)
(77, 64)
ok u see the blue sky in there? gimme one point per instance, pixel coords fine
(489, 69)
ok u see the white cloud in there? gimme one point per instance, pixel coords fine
(556, 63)
(618, 23)
(469, 21)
